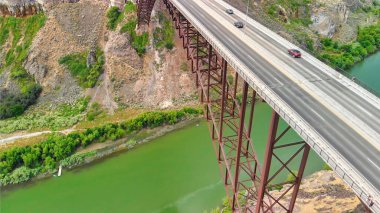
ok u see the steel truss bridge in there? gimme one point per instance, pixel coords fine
(335, 117)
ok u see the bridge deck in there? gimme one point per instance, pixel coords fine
(339, 119)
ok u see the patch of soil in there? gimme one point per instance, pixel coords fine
(322, 191)
(70, 28)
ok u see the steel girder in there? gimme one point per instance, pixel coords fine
(268, 181)
(144, 11)
(230, 117)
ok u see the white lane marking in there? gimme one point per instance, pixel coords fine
(317, 114)
(252, 59)
(373, 163)
(363, 110)
(231, 41)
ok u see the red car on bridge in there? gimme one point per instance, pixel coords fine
(295, 53)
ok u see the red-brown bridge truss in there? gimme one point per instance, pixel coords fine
(229, 109)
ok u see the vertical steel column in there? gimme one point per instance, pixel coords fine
(266, 180)
(299, 177)
(267, 161)
(222, 107)
(239, 146)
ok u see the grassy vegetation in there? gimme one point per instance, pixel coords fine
(298, 11)
(164, 36)
(118, 116)
(76, 159)
(114, 16)
(24, 142)
(64, 116)
(291, 177)
(130, 8)
(138, 42)
(19, 33)
(44, 156)
(344, 56)
(129, 27)
(184, 67)
(326, 167)
(94, 111)
(76, 63)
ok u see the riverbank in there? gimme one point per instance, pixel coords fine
(19, 164)
(96, 152)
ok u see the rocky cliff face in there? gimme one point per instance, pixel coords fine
(340, 18)
(326, 20)
(155, 80)
(21, 8)
(323, 191)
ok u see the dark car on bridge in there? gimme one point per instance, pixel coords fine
(295, 53)
(230, 11)
(239, 24)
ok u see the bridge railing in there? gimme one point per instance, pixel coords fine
(361, 186)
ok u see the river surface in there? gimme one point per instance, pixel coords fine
(175, 173)
(368, 71)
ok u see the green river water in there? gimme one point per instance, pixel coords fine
(177, 172)
(368, 71)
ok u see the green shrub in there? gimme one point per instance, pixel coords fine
(15, 104)
(23, 30)
(76, 159)
(94, 111)
(19, 175)
(164, 36)
(139, 43)
(291, 177)
(113, 15)
(130, 7)
(129, 27)
(64, 116)
(76, 63)
(272, 10)
(326, 167)
(345, 56)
